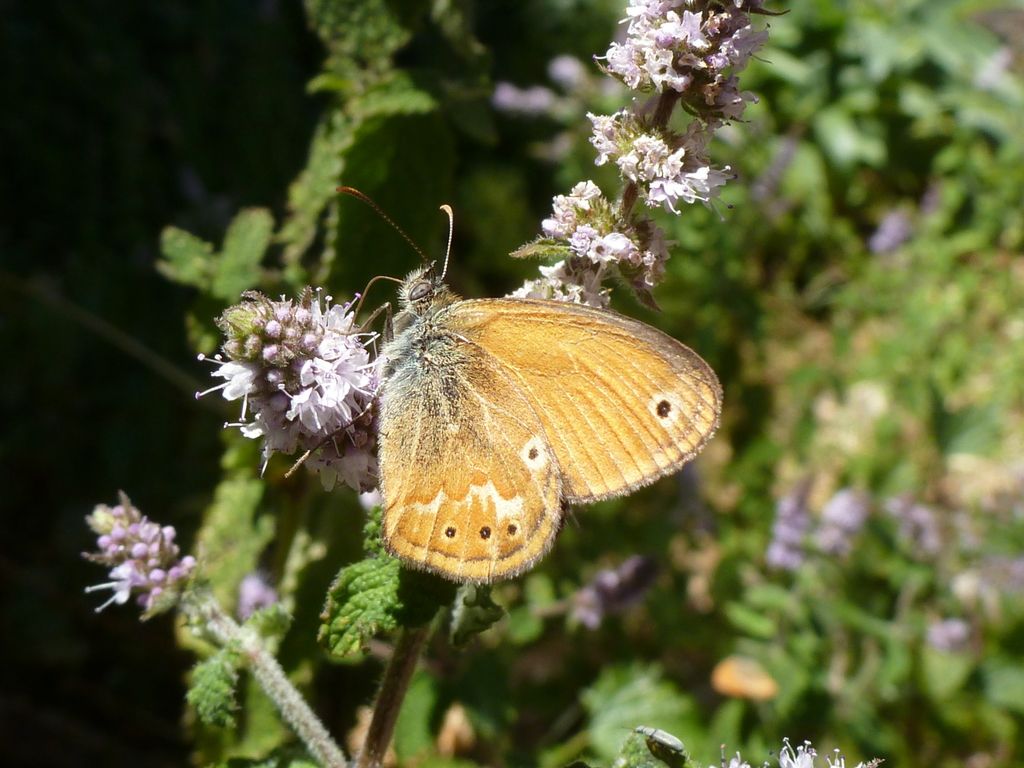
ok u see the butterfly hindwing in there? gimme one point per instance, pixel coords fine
(470, 483)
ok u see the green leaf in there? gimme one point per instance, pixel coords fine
(414, 730)
(285, 757)
(665, 748)
(233, 534)
(944, 673)
(473, 612)
(396, 95)
(1004, 683)
(542, 248)
(186, 258)
(212, 688)
(313, 190)
(750, 621)
(377, 595)
(627, 696)
(238, 266)
(361, 603)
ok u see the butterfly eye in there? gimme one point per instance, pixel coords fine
(420, 290)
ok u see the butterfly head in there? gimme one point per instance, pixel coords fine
(424, 290)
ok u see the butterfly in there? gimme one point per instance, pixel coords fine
(497, 414)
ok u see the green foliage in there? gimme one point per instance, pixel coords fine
(625, 696)
(212, 690)
(223, 275)
(286, 757)
(376, 596)
(361, 603)
(473, 612)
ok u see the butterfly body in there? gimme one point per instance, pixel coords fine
(497, 413)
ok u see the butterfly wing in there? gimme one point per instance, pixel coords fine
(470, 485)
(621, 402)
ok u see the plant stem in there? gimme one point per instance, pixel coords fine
(272, 678)
(392, 692)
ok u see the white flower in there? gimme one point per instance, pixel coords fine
(803, 757)
(612, 247)
(239, 377)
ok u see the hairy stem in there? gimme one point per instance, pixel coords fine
(272, 679)
(392, 692)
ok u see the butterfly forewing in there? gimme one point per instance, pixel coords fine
(621, 402)
(471, 487)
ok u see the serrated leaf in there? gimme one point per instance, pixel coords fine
(473, 612)
(238, 266)
(361, 603)
(212, 689)
(627, 696)
(361, 35)
(396, 95)
(314, 188)
(375, 596)
(186, 258)
(542, 248)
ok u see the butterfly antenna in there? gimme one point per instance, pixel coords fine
(451, 227)
(362, 296)
(380, 212)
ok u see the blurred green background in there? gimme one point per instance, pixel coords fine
(860, 297)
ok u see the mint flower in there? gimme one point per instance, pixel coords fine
(689, 52)
(802, 757)
(841, 520)
(254, 592)
(306, 381)
(143, 558)
(786, 550)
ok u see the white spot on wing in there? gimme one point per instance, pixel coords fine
(536, 449)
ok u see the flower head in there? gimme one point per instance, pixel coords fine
(254, 592)
(786, 550)
(841, 519)
(306, 381)
(142, 556)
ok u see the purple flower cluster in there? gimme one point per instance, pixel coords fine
(918, 525)
(585, 219)
(949, 635)
(792, 521)
(667, 166)
(306, 381)
(254, 592)
(613, 590)
(142, 556)
(841, 519)
(670, 47)
(688, 51)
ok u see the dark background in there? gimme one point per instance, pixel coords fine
(121, 118)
